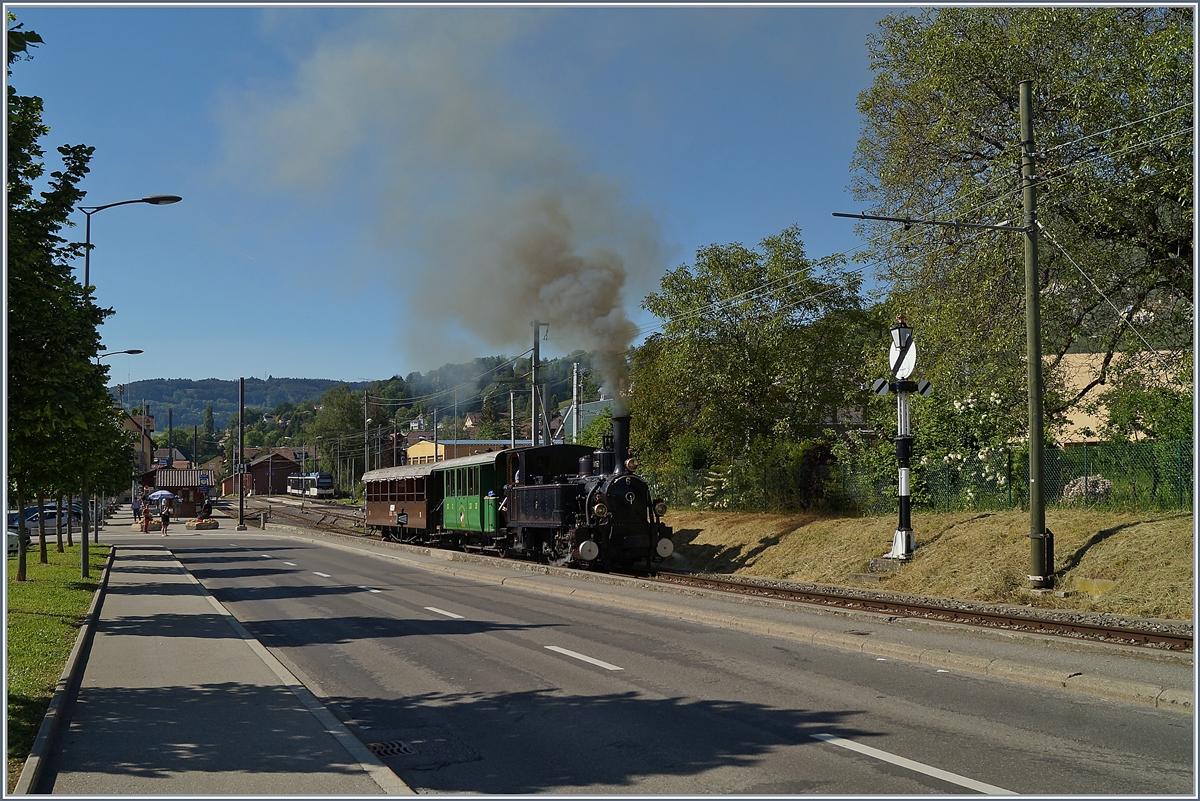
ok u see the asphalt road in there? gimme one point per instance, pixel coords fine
(473, 687)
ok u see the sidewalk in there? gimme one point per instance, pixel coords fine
(177, 698)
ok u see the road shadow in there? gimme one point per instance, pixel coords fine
(163, 732)
(540, 741)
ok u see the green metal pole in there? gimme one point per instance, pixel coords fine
(1040, 571)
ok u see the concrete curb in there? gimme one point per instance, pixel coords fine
(31, 773)
(381, 774)
(1175, 700)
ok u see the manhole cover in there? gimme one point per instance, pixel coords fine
(392, 748)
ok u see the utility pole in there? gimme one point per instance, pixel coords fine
(241, 455)
(512, 420)
(533, 382)
(575, 402)
(1041, 541)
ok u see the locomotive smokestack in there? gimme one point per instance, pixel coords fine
(620, 427)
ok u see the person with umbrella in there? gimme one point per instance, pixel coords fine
(165, 515)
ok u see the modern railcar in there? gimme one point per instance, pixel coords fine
(311, 485)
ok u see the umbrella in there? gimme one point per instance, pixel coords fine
(161, 494)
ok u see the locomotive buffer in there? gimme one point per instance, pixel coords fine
(902, 357)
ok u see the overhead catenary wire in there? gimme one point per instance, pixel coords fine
(1121, 316)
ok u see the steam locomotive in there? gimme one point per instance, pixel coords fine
(562, 504)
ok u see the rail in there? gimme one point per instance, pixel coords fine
(1153, 635)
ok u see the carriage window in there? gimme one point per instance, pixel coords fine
(473, 481)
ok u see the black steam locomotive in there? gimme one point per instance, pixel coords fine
(563, 504)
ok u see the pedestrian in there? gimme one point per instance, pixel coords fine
(137, 508)
(165, 517)
(146, 518)
(207, 509)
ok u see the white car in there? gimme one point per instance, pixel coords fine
(14, 538)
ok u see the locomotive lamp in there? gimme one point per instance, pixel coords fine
(902, 357)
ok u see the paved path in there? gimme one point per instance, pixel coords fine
(176, 698)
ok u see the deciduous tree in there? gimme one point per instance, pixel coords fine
(1112, 91)
(755, 343)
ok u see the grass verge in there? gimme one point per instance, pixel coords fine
(45, 613)
(1125, 563)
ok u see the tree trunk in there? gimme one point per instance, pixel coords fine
(58, 522)
(43, 558)
(21, 529)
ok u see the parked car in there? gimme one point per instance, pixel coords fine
(14, 540)
(31, 516)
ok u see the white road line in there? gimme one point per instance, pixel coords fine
(604, 665)
(322, 575)
(444, 612)
(265, 555)
(368, 589)
(919, 767)
(293, 564)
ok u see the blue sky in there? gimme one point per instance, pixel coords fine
(376, 190)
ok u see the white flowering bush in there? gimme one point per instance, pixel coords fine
(1087, 489)
(714, 491)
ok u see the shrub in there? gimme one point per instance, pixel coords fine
(1087, 489)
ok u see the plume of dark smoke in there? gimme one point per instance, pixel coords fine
(495, 206)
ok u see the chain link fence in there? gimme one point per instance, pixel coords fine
(1131, 476)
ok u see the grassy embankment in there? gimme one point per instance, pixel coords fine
(44, 617)
(1125, 563)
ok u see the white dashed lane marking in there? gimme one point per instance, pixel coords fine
(322, 575)
(574, 655)
(444, 612)
(293, 564)
(919, 767)
(368, 589)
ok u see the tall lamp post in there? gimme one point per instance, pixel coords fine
(153, 200)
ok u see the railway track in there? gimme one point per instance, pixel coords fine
(1150, 634)
(1162, 635)
(315, 514)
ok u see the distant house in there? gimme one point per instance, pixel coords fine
(417, 423)
(424, 451)
(143, 450)
(472, 420)
(215, 464)
(172, 457)
(269, 473)
(1083, 427)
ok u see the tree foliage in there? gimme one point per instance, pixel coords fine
(1112, 118)
(60, 417)
(755, 343)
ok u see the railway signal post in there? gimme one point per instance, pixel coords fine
(903, 358)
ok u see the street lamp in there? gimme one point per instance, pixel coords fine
(153, 200)
(131, 352)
